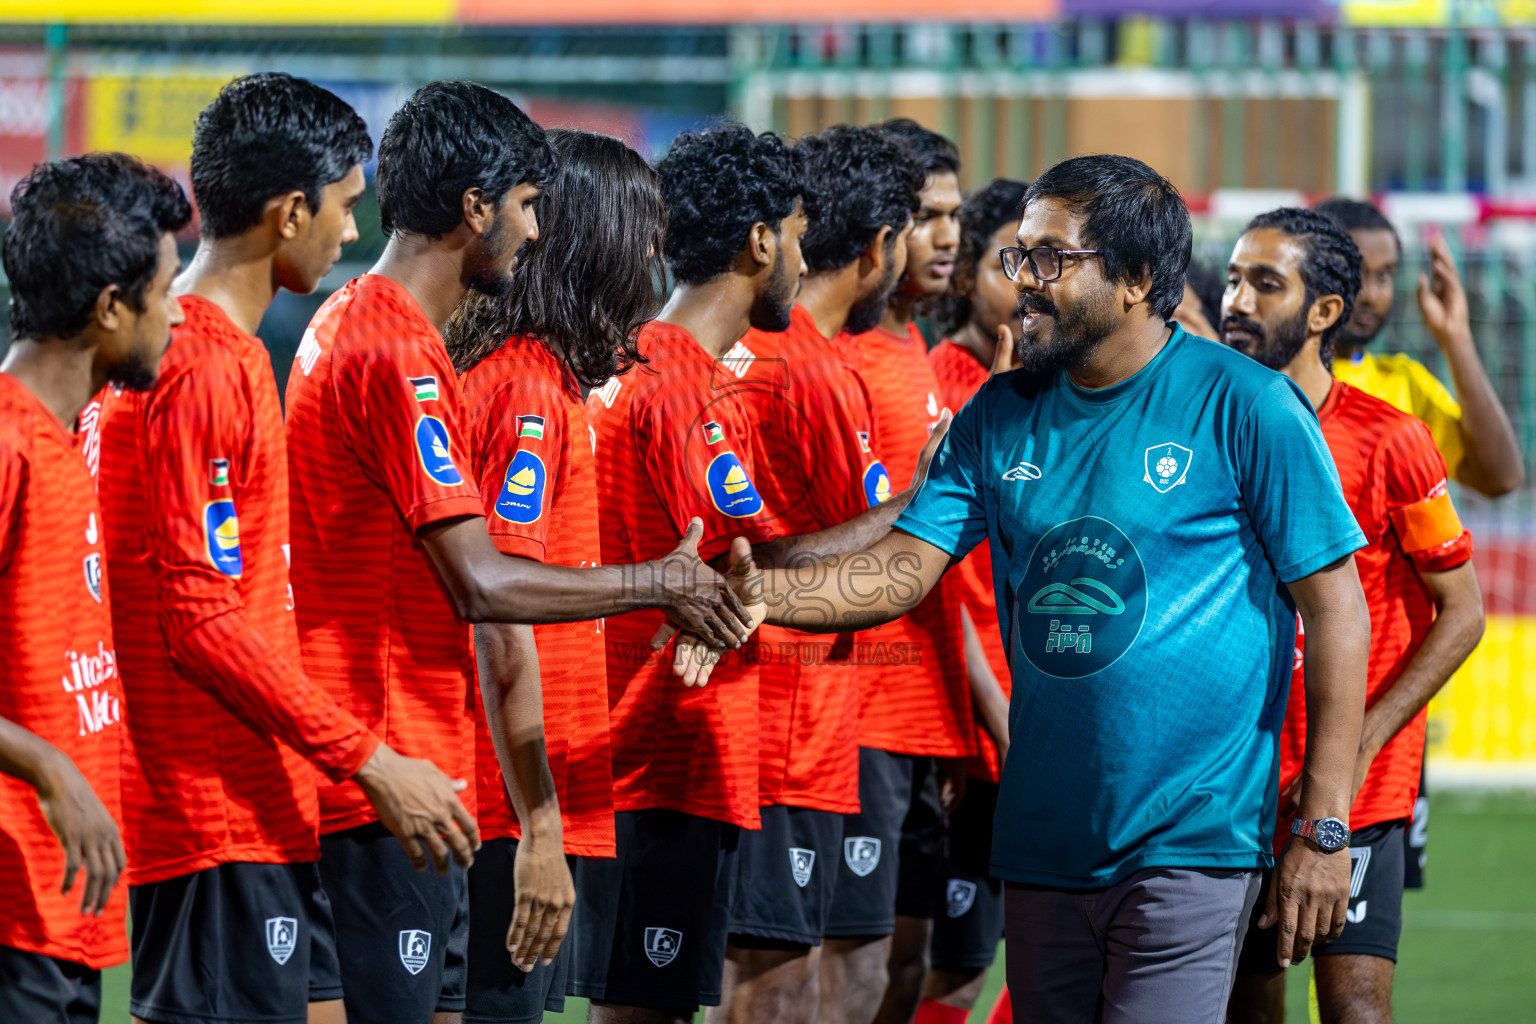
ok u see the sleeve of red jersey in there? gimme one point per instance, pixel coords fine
(197, 432)
(403, 416)
(844, 456)
(678, 472)
(1418, 503)
(525, 450)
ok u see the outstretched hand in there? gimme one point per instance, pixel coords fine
(697, 598)
(692, 659)
(421, 807)
(1442, 297)
(87, 833)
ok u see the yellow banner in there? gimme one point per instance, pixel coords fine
(248, 12)
(151, 118)
(1487, 712)
(1438, 13)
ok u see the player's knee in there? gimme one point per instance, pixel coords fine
(1365, 1006)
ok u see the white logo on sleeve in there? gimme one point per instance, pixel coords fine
(415, 947)
(958, 897)
(608, 392)
(1166, 465)
(309, 351)
(90, 529)
(800, 863)
(282, 937)
(861, 854)
(662, 944)
(1023, 471)
(738, 359)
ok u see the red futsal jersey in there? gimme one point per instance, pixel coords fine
(58, 677)
(1394, 480)
(960, 375)
(912, 671)
(532, 451)
(194, 486)
(673, 442)
(374, 428)
(816, 468)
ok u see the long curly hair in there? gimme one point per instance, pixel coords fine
(594, 275)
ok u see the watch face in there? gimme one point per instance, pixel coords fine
(1331, 834)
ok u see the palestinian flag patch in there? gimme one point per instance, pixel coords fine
(426, 388)
(530, 426)
(712, 433)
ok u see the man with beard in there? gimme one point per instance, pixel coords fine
(391, 556)
(1471, 429)
(90, 257)
(976, 317)
(915, 704)
(1144, 494)
(1290, 283)
(220, 814)
(673, 442)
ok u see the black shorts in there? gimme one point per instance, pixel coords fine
(498, 992)
(35, 987)
(1416, 835)
(403, 934)
(785, 877)
(272, 920)
(966, 935)
(1374, 921)
(651, 924)
(893, 849)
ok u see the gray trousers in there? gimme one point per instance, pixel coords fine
(1160, 946)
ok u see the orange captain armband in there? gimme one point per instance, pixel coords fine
(1427, 524)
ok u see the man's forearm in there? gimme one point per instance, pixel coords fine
(511, 689)
(1338, 651)
(1492, 462)
(25, 755)
(853, 591)
(856, 534)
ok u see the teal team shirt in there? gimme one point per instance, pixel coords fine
(1140, 537)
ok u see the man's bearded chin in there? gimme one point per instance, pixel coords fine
(1067, 341)
(132, 374)
(1350, 336)
(485, 272)
(1274, 348)
(870, 310)
(771, 311)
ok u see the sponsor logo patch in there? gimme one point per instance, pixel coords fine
(877, 484)
(1166, 465)
(221, 534)
(432, 447)
(426, 388)
(1088, 599)
(800, 863)
(861, 854)
(731, 489)
(522, 492)
(662, 944)
(958, 897)
(282, 937)
(415, 947)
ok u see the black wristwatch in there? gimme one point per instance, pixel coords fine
(1329, 834)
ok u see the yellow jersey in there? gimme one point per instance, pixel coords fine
(1406, 384)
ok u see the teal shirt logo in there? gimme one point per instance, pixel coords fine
(1084, 599)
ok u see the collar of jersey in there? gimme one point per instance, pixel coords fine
(1132, 384)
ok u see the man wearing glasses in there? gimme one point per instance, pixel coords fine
(1144, 494)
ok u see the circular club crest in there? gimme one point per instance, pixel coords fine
(1083, 599)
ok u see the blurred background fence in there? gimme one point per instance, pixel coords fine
(1427, 105)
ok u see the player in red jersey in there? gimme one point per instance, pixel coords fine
(979, 306)
(587, 284)
(220, 814)
(1290, 283)
(391, 557)
(90, 256)
(916, 702)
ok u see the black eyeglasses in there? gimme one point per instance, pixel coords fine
(1044, 261)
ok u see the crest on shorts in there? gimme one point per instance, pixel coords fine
(662, 944)
(1166, 465)
(93, 574)
(958, 897)
(415, 946)
(282, 936)
(800, 863)
(862, 854)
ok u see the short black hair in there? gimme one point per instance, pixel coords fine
(933, 152)
(717, 183)
(857, 181)
(448, 138)
(1357, 216)
(81, 225)
(268, 135)
(1331, 265)
(1133, 214)
(981, 215)
(591, 279)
